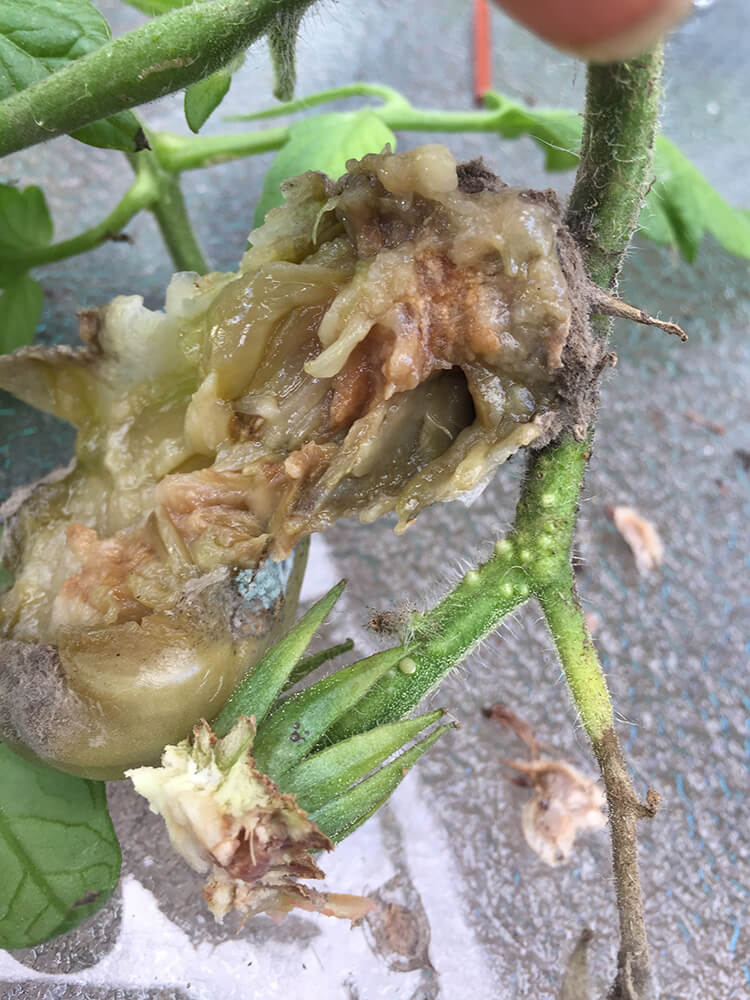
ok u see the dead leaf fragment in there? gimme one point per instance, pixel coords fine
(565, 803)
(397, 928)
(642, 537)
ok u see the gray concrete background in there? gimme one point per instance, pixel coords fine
(675, 644)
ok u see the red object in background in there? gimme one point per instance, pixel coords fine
(482, 50)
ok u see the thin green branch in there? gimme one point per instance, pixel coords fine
(387, 94)
(176, 229)
(143, 193)
(578, 657)
(164, 55)
(177, 152)
(170, 213)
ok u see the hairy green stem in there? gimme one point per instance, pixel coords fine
(164, 55)
(578, 656)
(622, 113)
(622, 105)
(435, 641)
(177, 152)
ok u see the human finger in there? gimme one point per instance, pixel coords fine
(599, 30)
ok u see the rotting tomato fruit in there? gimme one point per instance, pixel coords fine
(388, 341)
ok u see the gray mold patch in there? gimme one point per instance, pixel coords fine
(259, 597)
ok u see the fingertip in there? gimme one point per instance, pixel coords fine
(599, 30)
(638, 37)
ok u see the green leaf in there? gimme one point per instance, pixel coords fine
(20, 308)
(59, 856)
(557, 133)
(294, 729)
(25, 222)
(682, 206)
(324, 142)
(257, 691)
(120, 131)
(38, 38)
(204, 97)
(158, 6)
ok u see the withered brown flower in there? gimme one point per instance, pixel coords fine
(231, 821)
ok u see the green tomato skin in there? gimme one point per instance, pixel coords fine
(106, 700)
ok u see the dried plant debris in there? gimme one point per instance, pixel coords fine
(642, 537)
(701, 421)
(576, 984)
(389, 340)
(397, 928)
(522, 729)
(230, 821)
(565, 802)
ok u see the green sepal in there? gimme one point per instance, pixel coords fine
(204, 97)
(255, 694)
(330, 772)
(315, 660)
(282, 46)
(335, 817)
(292, 731)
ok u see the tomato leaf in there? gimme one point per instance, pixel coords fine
(158, 6)
(324, 142)
(682, 206)
(204, 97)
(20, 308)
(557, 133)
(25, 222)
(38, 38)
(58, 852)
